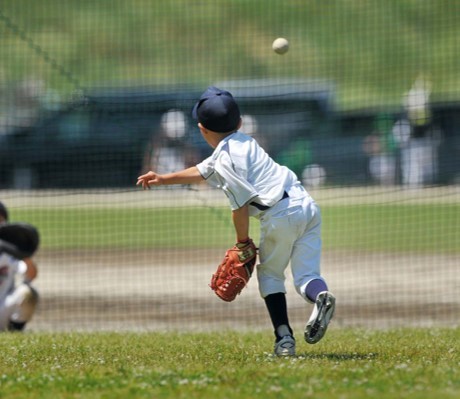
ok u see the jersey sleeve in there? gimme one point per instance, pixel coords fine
(206, 167)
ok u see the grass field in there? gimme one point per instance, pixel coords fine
(352, 363)
(422, 228)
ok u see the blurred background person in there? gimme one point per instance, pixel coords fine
(169, 150)
(417, 137)
(381, 149)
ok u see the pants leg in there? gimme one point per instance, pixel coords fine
(306, 253)
(278, 234)
(290, 235)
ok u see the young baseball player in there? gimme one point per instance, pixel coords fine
(18, 300)
(290, 220)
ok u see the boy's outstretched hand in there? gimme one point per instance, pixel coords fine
(187, 176)
(149, 178)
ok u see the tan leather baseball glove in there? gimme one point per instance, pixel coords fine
(234, 272)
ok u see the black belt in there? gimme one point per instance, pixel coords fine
(265, 207)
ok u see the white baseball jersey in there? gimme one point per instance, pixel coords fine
(9, 268)
(290, 220)
(245, 172)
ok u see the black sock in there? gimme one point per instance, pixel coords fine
(16, 326)
(277, 308)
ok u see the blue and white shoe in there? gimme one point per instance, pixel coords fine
(285, 343)
(285, 346)
(321, 316)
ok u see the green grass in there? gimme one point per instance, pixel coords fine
(393, 227)
(427, 228)
(408, 363)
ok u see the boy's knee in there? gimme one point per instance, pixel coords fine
(271, 286)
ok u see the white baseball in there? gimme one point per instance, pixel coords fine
(280, 45)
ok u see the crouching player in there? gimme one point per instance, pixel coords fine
(18, 299)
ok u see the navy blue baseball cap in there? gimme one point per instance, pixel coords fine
(217, 110)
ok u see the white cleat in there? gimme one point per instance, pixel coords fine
(285, 346)
(321, 316)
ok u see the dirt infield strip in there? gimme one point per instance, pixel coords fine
(147, 291)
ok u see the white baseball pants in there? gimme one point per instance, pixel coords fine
(290, 232)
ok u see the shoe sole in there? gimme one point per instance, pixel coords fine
(286, 353)
(315, 329)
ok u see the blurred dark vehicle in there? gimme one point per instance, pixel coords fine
(447, 117)
(114, 135)
(98, 142)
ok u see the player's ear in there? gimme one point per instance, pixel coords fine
(202, 128)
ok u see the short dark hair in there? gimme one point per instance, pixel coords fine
(3, 211)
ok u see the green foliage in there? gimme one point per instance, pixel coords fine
(407, 363)
(372, 50)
